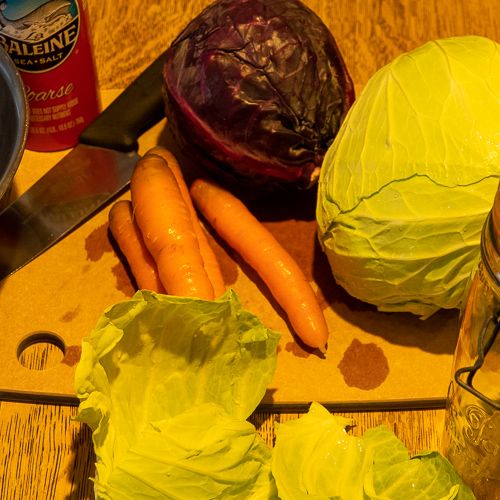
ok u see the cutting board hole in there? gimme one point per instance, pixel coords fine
(41, 350)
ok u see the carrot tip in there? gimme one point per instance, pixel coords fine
(322, 349)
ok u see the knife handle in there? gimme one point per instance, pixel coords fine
(135, 110)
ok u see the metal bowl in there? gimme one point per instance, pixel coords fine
(13, 122)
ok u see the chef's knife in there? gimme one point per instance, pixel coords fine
(91, 175)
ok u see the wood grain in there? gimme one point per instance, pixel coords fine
(129, 34)
(44, 453)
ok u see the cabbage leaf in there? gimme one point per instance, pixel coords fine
(166, 384)
(315, 458)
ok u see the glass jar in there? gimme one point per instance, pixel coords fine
(472, 425)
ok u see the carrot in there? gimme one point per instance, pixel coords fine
(210, 260)
(129, 240)
(258, 247)
(165, 223)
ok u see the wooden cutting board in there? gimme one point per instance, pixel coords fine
(374, 359)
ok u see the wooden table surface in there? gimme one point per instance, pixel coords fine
(44, 454)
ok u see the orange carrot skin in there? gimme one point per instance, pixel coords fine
(210, 260)
(258, 247)
(129, 240)
(163, 218)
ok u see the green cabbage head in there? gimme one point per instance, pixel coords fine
(408, 182)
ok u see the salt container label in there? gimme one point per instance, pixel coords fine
(50, 45)
(40, 36)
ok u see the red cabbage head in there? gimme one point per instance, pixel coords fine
(257, 90)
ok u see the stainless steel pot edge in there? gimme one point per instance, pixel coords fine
(13, 78)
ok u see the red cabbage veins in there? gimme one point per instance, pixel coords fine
(258, 88)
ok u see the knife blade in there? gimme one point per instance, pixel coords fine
(91, 175)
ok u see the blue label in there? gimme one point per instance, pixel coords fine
(39, 35)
